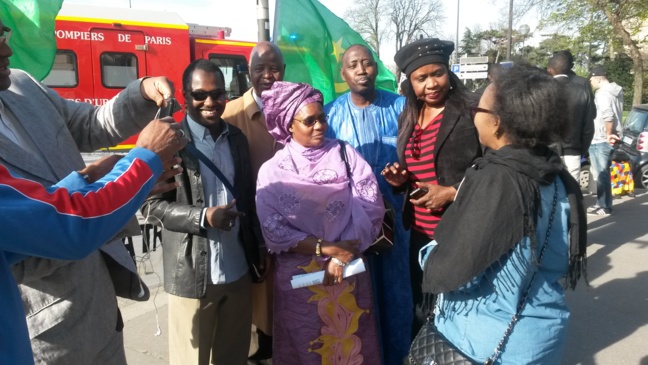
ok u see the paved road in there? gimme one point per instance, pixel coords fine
(609, 322)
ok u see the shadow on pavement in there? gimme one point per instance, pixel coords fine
(608, 313)
(626, 224)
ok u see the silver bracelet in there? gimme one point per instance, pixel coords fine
(338, 262)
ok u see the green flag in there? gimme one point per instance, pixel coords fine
(32, 38)
(312, 40)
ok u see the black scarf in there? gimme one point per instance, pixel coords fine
(496, 206)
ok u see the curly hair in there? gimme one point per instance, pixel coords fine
(531, 106)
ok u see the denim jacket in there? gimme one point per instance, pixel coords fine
(475, 317)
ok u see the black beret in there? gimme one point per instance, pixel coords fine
(423, 52)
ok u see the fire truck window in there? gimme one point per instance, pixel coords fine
(64, 71)
(118, 69)
(237, 78)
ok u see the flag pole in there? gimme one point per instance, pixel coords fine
(263, 21)
(275, 24)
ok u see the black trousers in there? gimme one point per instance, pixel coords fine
(417, 241)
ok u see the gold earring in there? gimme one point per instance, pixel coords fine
(496, 133)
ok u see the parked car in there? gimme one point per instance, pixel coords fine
(634, 142)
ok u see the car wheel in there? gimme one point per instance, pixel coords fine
(584, 178)
(643, 181)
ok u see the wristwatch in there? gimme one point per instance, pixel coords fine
(318, 247)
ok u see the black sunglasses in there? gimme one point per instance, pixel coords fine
(475, 109)
(310, 121)
(202, 95)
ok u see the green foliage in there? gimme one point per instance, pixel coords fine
(495, 44)
(619, 71)
(470, 43)
(615, 25)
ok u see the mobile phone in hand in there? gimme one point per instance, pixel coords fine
(169, 109)
(418, 193)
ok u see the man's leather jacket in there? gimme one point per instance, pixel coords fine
(581, 113)
(185, 246)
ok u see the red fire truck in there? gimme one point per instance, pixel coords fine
(101, 49)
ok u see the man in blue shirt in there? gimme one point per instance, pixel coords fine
(367, 119)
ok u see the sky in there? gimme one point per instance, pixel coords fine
(240, 15)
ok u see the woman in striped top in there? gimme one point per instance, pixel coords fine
(437, 141)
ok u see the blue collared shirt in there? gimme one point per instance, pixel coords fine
(227, 258)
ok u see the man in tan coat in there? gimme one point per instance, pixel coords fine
(266, 66)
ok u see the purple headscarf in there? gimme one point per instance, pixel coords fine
(282, 102)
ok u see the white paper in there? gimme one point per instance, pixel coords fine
(303, 280)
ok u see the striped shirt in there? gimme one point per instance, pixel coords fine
(419, 156)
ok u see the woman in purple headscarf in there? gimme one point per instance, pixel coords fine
(315, 217)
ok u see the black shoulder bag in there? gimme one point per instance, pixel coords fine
(431, 347)
(192, 150)
(199, 155)
(385, 239)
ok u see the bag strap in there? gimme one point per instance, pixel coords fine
(523, 299)
(192, 150)
(343, 155)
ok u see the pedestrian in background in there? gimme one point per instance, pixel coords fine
(607, 125)
(581, 112)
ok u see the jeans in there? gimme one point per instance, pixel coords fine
(600, 159)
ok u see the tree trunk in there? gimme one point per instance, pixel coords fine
(637, 61)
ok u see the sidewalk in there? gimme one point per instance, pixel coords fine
(145, 342)
(608, 325)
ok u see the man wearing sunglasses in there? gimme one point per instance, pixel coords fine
(5, 52)
(70, 306)
(210, 231)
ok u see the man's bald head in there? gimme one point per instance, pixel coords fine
(357, 47)
(359, 70)
(266, 66)
(262, 48)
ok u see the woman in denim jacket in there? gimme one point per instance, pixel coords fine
(514, 232)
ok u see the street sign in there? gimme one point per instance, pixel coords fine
(472, 68)
(473, 75)
(506, 64)
(455, 68)
(469, 60)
